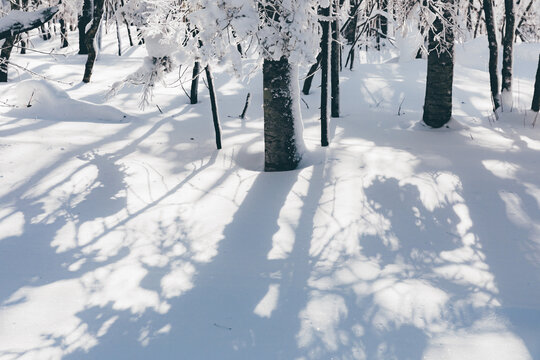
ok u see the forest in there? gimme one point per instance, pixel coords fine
(270, 179)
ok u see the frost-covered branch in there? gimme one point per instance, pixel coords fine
(17, 21)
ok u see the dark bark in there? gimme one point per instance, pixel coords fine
(493, 53)
(311, 75)
(334, 66)
(324, 76)
(536, 96)
(384, 20)
(280, 150)
(7, 47)
(118, 37)
(23, 46)
(508, 43)
(246, 105)
(63, 34)
(478, 22)
(83, 21)
(440, 72)
(194, 96)
(140, 36)
(90, 37)
(213, 101)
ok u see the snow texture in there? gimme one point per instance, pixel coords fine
(138, 240)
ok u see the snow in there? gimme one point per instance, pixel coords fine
(133, 238)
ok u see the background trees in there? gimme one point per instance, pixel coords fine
(194, 35)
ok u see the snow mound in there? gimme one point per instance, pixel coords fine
(452, 125)
(43, 100)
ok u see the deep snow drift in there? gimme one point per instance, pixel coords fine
(133, 238)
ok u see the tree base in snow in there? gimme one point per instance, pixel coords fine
(280, 150)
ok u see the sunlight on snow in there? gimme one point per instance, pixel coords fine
(269, 302)
(11, 223)
(501, 169)
(405, 291)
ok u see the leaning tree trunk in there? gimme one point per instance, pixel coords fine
(83, 21)
(213, 102)
(508, 43)
(536, 96)
(282, 132)
(440, 71)
(310, 75)
(493, 53)
(90, 39)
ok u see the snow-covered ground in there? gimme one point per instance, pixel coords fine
(124, 234)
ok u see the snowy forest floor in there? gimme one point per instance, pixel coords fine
(124, 234)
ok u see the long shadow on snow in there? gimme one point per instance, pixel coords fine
(220, 308)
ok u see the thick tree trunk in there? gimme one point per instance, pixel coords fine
(334, 66)
(83, 21)
(508, 44)
(90, 39)
(440, 72)
(324, 76)
(213, 101)
(281, 108)
(194, 96)
(493, 53)
(63, 34)
(536, 96)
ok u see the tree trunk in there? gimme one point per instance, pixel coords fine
(440, 71)
(194, 96)
(493, 53)
(310, 75)
(23, 44)
(536, 96)
(90, 37)
(281, 107)
(83, 21)
(334, 66)
(118, 37)
(63, 34)
(4, 58)
(508, 43)
(324, 76)
(213, 101)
